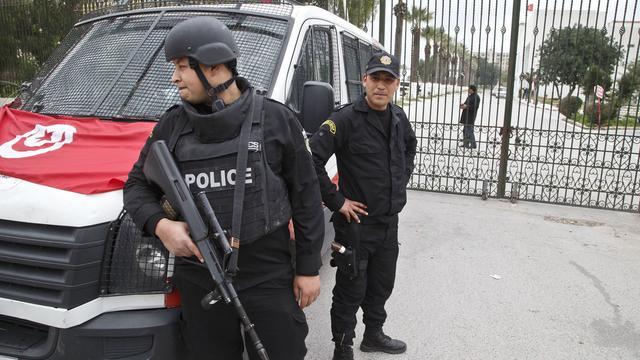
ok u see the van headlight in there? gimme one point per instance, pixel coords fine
(134, 263)
(152, 260)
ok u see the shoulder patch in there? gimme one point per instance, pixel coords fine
(306, 141)
(331, 125)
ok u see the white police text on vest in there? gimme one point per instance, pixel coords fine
(215, 179)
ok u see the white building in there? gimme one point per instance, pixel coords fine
(534, 29)
(499, 59)
(536, 25)
(627, 35)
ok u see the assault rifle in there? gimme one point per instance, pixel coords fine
(161, 169)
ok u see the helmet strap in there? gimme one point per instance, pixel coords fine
(216, 103)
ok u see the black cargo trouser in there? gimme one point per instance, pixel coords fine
(215, 334)
(372, 287)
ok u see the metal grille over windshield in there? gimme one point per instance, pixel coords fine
(118, 69)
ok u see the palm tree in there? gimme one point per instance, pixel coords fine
(359, 12)
(451, 47)
(400, 10)
(417, 16)
(429, 33)
(450, 56)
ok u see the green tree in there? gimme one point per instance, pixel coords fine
(429, 34)
(595, 76)
(400, 11)
(449, 57)
(425, 70)
(567, 54)
(629, 83)
(34, 29)
(357, 12)
(416, 17)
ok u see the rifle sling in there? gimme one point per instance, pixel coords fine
(241, 172)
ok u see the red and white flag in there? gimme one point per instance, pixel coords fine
(83, 155)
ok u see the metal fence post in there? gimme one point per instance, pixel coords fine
(506, 126)
(381, 25)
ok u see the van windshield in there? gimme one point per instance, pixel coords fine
(115, 67)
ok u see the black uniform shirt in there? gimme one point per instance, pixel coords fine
(384, 117)
(373, 169)
(288, 157)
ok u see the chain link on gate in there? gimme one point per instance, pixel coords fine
(542, 134)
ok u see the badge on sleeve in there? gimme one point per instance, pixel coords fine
(331, 125)
(306, 141)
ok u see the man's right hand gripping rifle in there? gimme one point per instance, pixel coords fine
(211, 244)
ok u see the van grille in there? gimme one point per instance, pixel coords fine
(50, 265)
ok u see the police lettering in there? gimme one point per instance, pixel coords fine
(215, 179)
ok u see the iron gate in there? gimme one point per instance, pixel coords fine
(540, 132)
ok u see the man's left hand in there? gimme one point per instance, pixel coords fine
(306, 289)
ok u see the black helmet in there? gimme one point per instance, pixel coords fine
(204, 39)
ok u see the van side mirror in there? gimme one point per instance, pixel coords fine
(317, 105)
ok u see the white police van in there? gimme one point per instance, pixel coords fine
(75, 283)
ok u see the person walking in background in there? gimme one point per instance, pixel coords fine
(468, 118)
(375, 149)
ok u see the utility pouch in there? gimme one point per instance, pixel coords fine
(345, 257)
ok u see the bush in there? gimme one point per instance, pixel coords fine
(609, 111)
(570, 105)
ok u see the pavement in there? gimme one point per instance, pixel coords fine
(495, 280)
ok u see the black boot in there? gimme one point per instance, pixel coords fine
(343, 352)
(378, 341)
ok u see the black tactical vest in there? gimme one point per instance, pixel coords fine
(211, 168)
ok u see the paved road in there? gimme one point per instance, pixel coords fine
(565, 285)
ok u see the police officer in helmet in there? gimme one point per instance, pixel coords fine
(220, 118)
(375, 148)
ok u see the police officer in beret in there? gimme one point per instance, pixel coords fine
(221, 117)
(375, 148)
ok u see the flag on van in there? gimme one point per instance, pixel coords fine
(83, 155)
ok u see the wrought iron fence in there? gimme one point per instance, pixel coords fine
(539, 133)
(542, 134)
